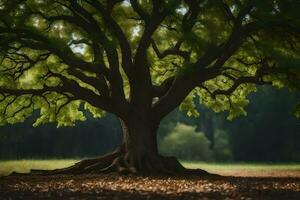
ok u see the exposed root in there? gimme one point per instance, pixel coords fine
(84, 166)
(125, 163)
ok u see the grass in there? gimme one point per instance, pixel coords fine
(236, 166)
(249, 169)
(24, 166)
(231, 169)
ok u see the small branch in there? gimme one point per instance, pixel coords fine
(171, 51)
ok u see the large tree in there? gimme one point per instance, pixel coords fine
(140, 59)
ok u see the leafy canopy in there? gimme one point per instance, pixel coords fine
(60, 57)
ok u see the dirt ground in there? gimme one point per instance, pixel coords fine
(114, 187)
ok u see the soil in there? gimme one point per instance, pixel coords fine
(114, 186)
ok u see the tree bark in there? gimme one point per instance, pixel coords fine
(140, 135)
(140, 143)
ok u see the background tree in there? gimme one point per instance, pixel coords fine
(270, 133)
(140, 60)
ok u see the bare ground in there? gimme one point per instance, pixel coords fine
(113, 186)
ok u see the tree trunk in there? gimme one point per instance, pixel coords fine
(140, 136)
(140, 143)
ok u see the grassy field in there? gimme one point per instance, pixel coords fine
(23, 166)
(228, 169)
(249, 169)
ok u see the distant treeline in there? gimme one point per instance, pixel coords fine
(269, 132)
(89, 138)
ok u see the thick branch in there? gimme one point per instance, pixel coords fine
(161, 90)
(124, 44)
(34, 40)
(86, 21)
(138, 9)
(190, 18)
(184, 85)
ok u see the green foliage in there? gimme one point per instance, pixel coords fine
(59, 44)
(234, 103)
(96, 112)
(188, 106)
(68, 113)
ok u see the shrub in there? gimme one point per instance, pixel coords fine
(186, 144)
